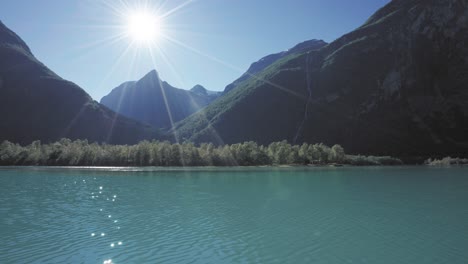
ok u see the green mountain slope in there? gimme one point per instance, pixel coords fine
(266, 61)
(36, 104)
(397, 85)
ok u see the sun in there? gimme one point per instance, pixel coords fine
(144, 27)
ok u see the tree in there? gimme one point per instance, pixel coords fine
(9, 153)
(304, 154)
(337, 154)
(80, 152)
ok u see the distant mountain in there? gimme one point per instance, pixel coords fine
(397, 85)
(202, 91)
(266, 61)
(36, 104)
(155, 102)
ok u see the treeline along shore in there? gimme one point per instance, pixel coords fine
(156, 153)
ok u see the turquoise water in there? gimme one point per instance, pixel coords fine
(296, 215)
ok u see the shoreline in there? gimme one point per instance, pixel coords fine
(197, 168)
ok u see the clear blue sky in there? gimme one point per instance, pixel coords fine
(217, 39)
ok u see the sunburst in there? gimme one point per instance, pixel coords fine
(144, 27)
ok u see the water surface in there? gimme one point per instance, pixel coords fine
(264, 215)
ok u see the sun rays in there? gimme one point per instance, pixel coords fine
(143, 29)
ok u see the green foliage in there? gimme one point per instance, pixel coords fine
(372, 160)
(337, 153)
(447, 161)
(156, 153)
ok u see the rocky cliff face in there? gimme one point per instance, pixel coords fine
(396, 85)
(155, 102)
(36, 104)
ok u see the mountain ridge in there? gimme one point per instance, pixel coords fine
(268, 60)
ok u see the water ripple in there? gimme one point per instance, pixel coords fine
(238, 216)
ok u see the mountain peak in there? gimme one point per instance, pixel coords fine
(198, 86)
(153, 74)
(151, 79)
(199, 89)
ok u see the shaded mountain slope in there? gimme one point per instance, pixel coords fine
(36, 104)
(155, 102)
(397, 85)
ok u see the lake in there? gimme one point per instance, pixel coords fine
(234, 215)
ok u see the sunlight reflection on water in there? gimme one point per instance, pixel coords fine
(98, 202)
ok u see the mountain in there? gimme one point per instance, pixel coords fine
(266, 61)
(396, 85)
(155, 102)
(202, 91)
(36, 104)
